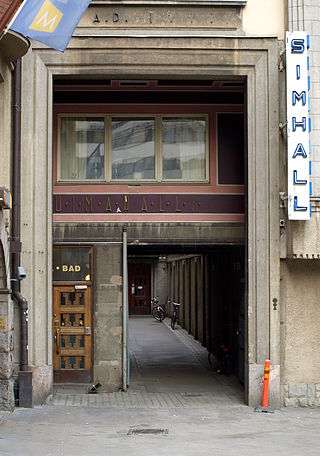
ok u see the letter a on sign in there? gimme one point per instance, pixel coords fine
(51, 22)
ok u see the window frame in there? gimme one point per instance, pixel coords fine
(84, 115)
(157, 147)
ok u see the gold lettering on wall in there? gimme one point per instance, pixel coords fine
(177, 205)
(58, 203)
(88, 204)
(108, 205)
(126, 203)
(70, 268)
(160, 205)
(144, 207)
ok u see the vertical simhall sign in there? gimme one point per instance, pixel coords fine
(298, 126)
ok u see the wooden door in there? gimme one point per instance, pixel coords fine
(72, 334)
(139, 289)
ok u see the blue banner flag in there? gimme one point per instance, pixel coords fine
(51, 22)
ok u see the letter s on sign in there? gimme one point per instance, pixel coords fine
(297, 46)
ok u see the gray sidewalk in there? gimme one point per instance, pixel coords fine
(228, 430)
(175, 405)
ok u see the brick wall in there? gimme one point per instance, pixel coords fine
(4, 5)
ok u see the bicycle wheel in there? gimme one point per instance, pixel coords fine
(162, 314)
(173, 320)
(158, 313)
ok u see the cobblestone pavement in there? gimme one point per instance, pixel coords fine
(169, 369)
(204, 401)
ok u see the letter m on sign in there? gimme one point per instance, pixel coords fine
(47, 18)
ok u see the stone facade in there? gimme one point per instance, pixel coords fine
(107, 319)
(12, 47)
(140, 54)
(300, 318)
(6, 305)
(6, 325)
(239, 45)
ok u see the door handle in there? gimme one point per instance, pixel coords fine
(57, 341)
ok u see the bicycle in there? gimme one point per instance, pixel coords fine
(158, 312)
(221, 353)
(175, 314)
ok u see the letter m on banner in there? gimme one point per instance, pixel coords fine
(51, 22)
(47, 19)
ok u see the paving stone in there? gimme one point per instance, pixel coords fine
(169, 370)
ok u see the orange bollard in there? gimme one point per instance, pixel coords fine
(265, 394)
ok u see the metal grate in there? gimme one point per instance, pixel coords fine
(145, 431)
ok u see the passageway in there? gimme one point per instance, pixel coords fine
(166, 361)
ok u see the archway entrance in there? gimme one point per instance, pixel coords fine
(209, 283)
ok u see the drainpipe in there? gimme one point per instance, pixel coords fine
(125, 370)
(23, 304)
(15, 223)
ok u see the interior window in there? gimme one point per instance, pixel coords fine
(133, 150)
(130, 148)
(82, 148)
(184, 148)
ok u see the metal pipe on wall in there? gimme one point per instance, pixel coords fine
(125, 360)
(15, 223)
(23, 305)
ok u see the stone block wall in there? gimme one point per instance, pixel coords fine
(301, 395)
(300, 322)
(6, 352)
(300, 318)
(6, 325)
(108, 316)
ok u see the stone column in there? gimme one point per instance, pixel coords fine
(6, 351)
(6, 326)
(36, 225)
